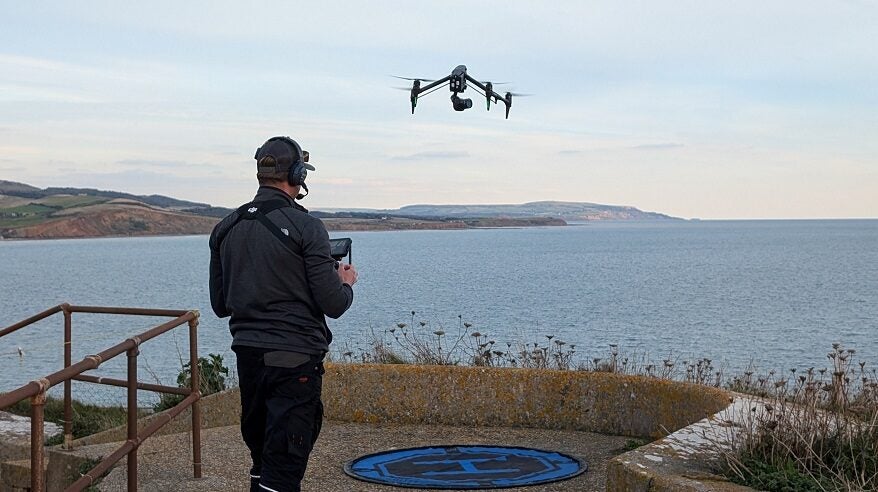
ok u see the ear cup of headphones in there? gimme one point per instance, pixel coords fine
(298, 173)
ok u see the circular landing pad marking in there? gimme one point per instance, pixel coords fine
(464, 467)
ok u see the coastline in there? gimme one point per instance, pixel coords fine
(334, 225)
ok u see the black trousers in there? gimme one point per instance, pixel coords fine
(281, 417)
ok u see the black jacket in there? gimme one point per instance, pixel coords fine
(276, 298)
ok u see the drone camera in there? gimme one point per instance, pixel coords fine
(461, 104)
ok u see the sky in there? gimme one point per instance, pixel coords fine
(690, 108)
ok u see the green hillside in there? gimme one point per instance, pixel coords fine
(41, 209)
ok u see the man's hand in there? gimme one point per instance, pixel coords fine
(347, 274)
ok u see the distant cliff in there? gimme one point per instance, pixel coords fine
(28, 212)
(113, 218)
(568, 211)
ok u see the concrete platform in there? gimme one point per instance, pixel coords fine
(371, 408)
(165, 461)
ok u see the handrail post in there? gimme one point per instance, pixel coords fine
(68, 384)
(195, 384)
(37, 451)
(132, 417)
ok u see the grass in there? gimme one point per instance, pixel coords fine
(38, 211)
(32, 208)
(632, 444)
(420, 342)
(815, 431)
(24, 215)
(71, 201)
(423, 343)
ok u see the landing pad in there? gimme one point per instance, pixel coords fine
(464, 467)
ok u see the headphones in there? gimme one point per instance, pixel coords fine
(298, 172)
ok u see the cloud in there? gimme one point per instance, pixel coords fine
(149, 163)
(332, 181)
(162, 164)
(657, 146)
(435, 154)
(569, 152)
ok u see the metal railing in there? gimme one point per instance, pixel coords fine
(36, 391)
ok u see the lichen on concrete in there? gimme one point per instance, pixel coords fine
(575, 400)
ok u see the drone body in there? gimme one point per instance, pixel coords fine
(457, 83)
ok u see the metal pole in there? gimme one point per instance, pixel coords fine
(124, 310)
(37, 451)
(196, 390)
(132, 418)
(68, 384)
(33, 319)
(123, 383)
(104, 466)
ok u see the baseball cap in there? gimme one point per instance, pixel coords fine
(277, 155)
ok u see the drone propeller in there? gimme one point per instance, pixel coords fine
(407, 89)
(518, 94)
(409, 78)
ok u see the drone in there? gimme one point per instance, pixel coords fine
(457, 83)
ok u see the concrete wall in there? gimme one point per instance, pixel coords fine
(503, 397)
(540, 398)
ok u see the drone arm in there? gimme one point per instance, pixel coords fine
(489, 93)
(476, 83)
(434, 84)
(417, 90)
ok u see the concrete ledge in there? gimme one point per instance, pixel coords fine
(504, 397)
(681, 461)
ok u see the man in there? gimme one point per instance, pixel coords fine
(271, 272)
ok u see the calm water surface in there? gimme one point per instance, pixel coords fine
(777, 293)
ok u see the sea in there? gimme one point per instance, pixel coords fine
(761, 295)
